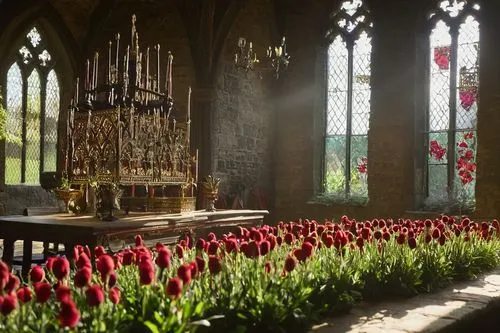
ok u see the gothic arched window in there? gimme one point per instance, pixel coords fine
(453, 103)
(32, 103)
(345, 172)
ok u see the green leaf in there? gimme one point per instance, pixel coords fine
(151, 326)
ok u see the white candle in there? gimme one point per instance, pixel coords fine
(77, 89)
(109, 62)
(147, 74)
(117, 52)
(189, 104)
(127, 60)
(87, 75)
(158, 80)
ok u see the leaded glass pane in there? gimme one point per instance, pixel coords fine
(465, 167)
(468, 74)
(14, 126)
(335, 153)
(359, 166)
(336, 122)
(438, 183)
(33, 129)
(51, 117)
(439, 108)
(361, 85)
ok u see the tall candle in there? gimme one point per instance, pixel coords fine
(77, 89)
(147, 74)
(127, 60)
(133, 30)
(109, 62)
(189, 104)
(158, 67)
(87, 75)
(92, 86)
(96, 69)
(169, 69)
(117, 52)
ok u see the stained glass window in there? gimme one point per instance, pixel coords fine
(453, 103)
(348, 102)
(33, 101)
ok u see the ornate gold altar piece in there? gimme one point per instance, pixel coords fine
(124, 134)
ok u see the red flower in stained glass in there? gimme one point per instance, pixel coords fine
(467, 98)
(442, 57)
(436, 150)
(363, 165)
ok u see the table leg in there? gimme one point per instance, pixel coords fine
(27, 256)
(8, 251)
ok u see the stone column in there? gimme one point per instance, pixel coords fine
(488, 125)
(201, 134)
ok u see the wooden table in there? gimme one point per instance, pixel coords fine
(71, 230)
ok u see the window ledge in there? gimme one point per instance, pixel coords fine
(335, 200)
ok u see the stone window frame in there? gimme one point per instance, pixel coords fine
(434, 14)
(320, 196)
(43, 72)
(62, 48)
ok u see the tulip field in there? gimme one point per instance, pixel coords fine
(281, 278)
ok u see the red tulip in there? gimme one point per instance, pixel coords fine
(436, 233)
(146, 272)
(163, 259)
(307, 249)
(60, 268)
(268, 267)
(95, 295)
(200, 244)
(43, 290)
(82, 277)
(265, 247)
(99, 251)
(211, 237)
(105, 265)
(214, 265)
(9, 304)
(37, 274)
(12, 284)
(24, 294)
(289, 238)
(83, 261)
(184, 272)
(63, 293)
(412, 243)
(200, 262)
(112, 278)
(290, 264)
(174, 287)
(128, 258)
(179, 250)
(138, 241)
(114, 295)
(213, 246)
(4, 274)
(50, 263)
(69, 316)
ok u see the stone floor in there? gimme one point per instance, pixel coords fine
(458, 308)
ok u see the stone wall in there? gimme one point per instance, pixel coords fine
(243, 113)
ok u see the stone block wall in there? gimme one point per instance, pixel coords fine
(243, 112)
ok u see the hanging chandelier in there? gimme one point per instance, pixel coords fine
(277, 57)
(245, 57)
